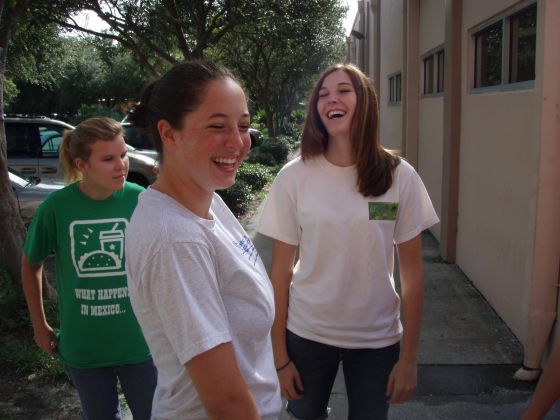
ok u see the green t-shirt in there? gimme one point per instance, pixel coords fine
(97, 325)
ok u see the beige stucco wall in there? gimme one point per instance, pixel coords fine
(497, 186)
(430, 124)
(392, 61)
(432, 24)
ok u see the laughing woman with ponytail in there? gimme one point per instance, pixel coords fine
(100, 341)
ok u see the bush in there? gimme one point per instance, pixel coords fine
(255, 175)
(257, 156)
(26, 358)
(237, 197)
(278, 147)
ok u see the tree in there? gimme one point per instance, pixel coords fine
(89, 69)
(163, 32)
(12, 14)
(277, 58)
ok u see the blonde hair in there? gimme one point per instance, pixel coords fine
(77, 143)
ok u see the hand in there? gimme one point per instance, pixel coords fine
(402, 382)
(291, 385)
(45, 339)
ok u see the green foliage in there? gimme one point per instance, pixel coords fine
(26, 358)
(278, 58)
(91, 72)
(255, 175)
(87, 111)
(278, 147)
(238, 197)
(13, 310)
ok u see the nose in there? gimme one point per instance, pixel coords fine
(332, 99)
(121, 163)
(235, 139)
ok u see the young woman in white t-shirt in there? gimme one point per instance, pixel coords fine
(196, 283)
(345, 203)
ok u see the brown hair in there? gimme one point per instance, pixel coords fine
(77, 143)
(374, 163)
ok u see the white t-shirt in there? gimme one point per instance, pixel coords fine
(195, 284)
(343, 292)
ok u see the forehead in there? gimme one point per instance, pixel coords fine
(337, 77)
(223, 96)
(108, 146)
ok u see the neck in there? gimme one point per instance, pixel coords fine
(185, 192)
(93, 191)
(339, 151)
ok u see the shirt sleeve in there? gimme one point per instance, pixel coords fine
(41, 235)
(180, 287)
(279, 215)
(416, 211)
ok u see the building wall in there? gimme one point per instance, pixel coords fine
(391, 44)
(430, 135)
(497, 186)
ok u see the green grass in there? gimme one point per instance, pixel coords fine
(18, 351)
(25, 358)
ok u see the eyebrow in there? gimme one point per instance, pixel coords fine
(222, 115)
(340, 84)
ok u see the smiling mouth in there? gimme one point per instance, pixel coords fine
(335, 114)
(225, 161)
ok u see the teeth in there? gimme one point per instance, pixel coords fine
(335, 114)
(230, 161)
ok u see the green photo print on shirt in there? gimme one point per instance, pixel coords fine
(383, 210)
(97, 247)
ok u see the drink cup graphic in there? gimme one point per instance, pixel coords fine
(113, 241)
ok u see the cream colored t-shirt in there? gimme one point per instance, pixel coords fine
(343, 292)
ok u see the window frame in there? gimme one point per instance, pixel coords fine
(505, 75)
(433, 77)
(395, 89)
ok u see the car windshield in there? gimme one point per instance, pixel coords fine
(21, 179)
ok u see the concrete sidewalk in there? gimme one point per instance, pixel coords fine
(467, 354)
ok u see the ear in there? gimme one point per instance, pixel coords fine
(166, 133)
(80, 164)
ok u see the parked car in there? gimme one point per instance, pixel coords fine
(140, 142)
(33, 145)
(29, 192)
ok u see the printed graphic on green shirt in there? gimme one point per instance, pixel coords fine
(97, 247)
(383, 211)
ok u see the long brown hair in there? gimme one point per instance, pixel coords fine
(374, 163)
(77, 143)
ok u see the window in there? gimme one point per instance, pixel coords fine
(440, 57)
(429, 74)
(395, 88)
(433, 72)
(23, 140)
(504, 51)
(51, 138)
(488, 56)
(523, 36)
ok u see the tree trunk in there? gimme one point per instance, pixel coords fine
(12, 231)
(270, 123)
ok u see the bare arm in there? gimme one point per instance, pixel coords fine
(221, 387)
(403, 378)
(281, 271)
(548, 388)
(32, 288)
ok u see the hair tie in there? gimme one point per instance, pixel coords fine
(284, 365)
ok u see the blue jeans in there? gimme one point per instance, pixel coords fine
(366, 372)
(97, 388)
